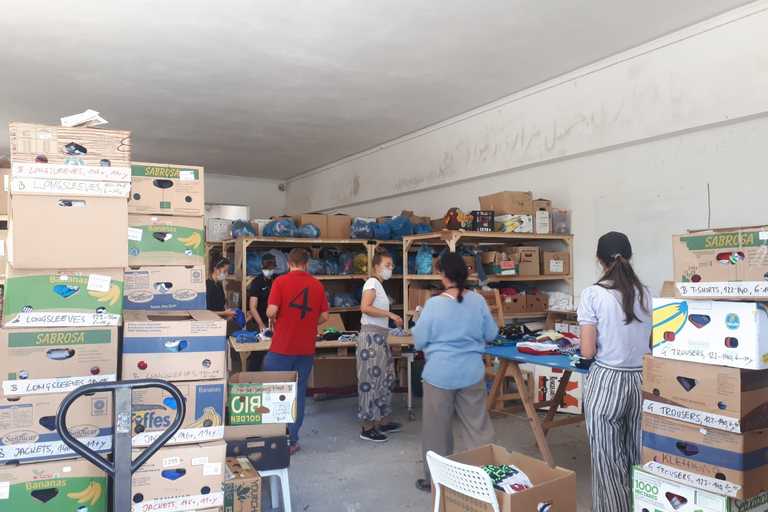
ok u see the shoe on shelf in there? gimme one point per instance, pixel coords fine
(390, 428)
(374, 436)
(293, 449)
(424, 485)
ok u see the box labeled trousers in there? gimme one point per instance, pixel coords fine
(718, 397)
(555, 487)
(180, 478)
(165, 288)
(28, 426)
(55, 486)
(179, 345)
(154, 411)
(64, 231)
(722, 333)
(741, 460)
(167, 189)
(242, 486)
(257, 398)
(165, 240)
(57, 360)
(63, 298)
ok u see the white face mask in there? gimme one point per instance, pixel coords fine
(219, 277)
(386, 274)
(268, 272)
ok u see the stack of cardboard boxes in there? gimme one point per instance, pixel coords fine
(169, 334)
(705, 421)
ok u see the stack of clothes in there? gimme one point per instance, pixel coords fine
(549, 343)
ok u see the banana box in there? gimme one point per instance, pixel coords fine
(722, 333)
(165, 240)
(154, 411)
(55, 486)
(43, 361)
(63, 298)
(167, 189)
(174, 345)
(260, 398)
(28, 426)
(185, 477)
(165, 288)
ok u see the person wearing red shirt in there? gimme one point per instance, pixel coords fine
(297, 305)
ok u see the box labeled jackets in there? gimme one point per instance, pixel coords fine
(28, 426)
(555, 263)
(42, 361)
(508, 202)
(242, 486)
(718, 397)
(62, 231)
(56, 486)
(167, 189)
(89, 147)
(164, 240)
(737, 459)
(257, 398)
(174, 345)
(528, 261)
(154, 411)
(721, 333)
(547, 382)
(177, 478)
(165, 288)
(63, 298)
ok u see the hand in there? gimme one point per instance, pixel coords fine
(229, 314)
(397, 319)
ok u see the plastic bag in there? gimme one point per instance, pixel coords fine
(420, 229)
(316, 267)
(344, 300)
(346, 261)
(424, 260)
(360, 264)
(253, 263)
(381, 231)
(281, 227)
(400, 227)
(361, 228)
(241, 228)
(331, 267)
(281, 261)
(308, 231)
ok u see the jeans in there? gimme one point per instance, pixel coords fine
(301, 365)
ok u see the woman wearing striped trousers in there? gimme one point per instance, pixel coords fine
(615, 323)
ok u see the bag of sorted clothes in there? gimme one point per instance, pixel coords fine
(420, 229)
(253, 263)
(346, 260)
(361, 228)
(241, 228)
(308, 231)
(424, 260)
(508, 478)
(281, 261)
(360, 264)
(282, 227)
(316, 267)
(400, 226)
(331, 267)
(344, 300)
(381, 231)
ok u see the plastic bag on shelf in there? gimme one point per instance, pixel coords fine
(344, 300)
(316, 267)
(308, 231)
(424, 260)
(281, 228)
(331, 267)
(346, 263)
(382, 231)
(420, 229)
(400, 226)
(361, 228)
(281, 261)
(360, 264)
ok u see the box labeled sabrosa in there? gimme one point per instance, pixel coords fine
(718, 397)
(67, 232)
(57, 360)
(723, 333)
(164, 288)
(257, 398)
(154, 411)
(553, 486)
(55, 486)
(28, 426)
(167, 189)
(174, 345)
(738, 459)
(180, 478)
(165, 240)
(242, 486)
(63, 298)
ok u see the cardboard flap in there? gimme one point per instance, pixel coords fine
(334, 321)
(262, 377)
(245, 432)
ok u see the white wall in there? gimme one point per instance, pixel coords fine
(262, 195)
(629, 143)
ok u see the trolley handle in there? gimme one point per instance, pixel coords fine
(123, 423)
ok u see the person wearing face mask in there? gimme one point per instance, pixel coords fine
(375, 368)
(258, 293)
(214, 290)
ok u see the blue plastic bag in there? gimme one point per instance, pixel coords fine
(241, 228)
(420, 229)
(316, 267)
(346, 260)
(344, 300)
(361, 229)
(253, 263)
(281, 227)
(331, 267)
(308, 231)
(381, 231)
(400, 227)
(424, 260)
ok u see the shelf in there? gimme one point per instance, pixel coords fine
(524, 316)
(279, 241)
(352, 309)
(342, 278)
(493, 278)
(442, 236)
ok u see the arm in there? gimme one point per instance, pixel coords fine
(275, 298)
(423, 328)
(587, 316)
(322, 318)
(588, 341)
(253, 304)
(324, 308)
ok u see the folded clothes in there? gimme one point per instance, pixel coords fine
(246, 336)
(538, 348)
(398, 331)
(508, 478)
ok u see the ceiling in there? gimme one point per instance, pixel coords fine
(272, 88)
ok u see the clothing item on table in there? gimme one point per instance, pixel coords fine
(303, 366)
(398, 332)
(300, 299)
(246, 336)
(538, 348)
(214, 295)
(380, 301)
(579, 362)
(375, 374)
(508, 478)
(374, 436)
(350, 337)
(239, 318)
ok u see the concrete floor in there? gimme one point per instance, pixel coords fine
(337, 472)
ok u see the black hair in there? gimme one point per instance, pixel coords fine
(454, 268)
(615, 252)
(379, 254)
(221, 263)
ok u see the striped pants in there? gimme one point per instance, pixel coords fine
(613, 402)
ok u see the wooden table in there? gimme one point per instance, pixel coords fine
(511, 359)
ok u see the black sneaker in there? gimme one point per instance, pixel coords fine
(390, 428)
(373, 435)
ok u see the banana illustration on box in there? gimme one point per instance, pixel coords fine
(90, 494)
(669, 318)
(111, 296)
(194, 240)
(209, 419)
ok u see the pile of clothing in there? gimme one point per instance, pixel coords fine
(508, 478)
(549, 343)
(393, 229)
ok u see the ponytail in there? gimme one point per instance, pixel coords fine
(620, 276)
(453, 267)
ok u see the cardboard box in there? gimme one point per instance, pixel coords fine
(256, 398)
(3, 252)
(218, 230)
(91, 147)
(5, 189)
(536, 302)
(517, 223)
(333, 373)
(339, 226)
(722, 333)
(335, 321)
(555, 263)
(174, 345)
(508, 202)
(56, 486)
(154, 410)
(28, 426)
(738, 459)
(528, 261)
(67, 232)
(265, 446)
(186, 477)
(35, 361)
(555, 486)
(69, 180)
(165, 288)
(167, 189)
(242, 486)
(319, 220)
(63, 298)
(542, 217)
(547, 382)
(718, 397)
(165, 240)
(513, 304)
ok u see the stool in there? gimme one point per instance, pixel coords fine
(282, 474)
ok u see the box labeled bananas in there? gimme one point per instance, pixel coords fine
(56, 486)
(63, 298)
(154, 411)
(165, 240)
(166, 189)
(57, 360)
(165, 288)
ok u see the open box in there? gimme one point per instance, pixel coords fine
(242, 486)
(265, 446)
(257, 398)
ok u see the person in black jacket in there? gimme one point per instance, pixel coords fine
(214, 290)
